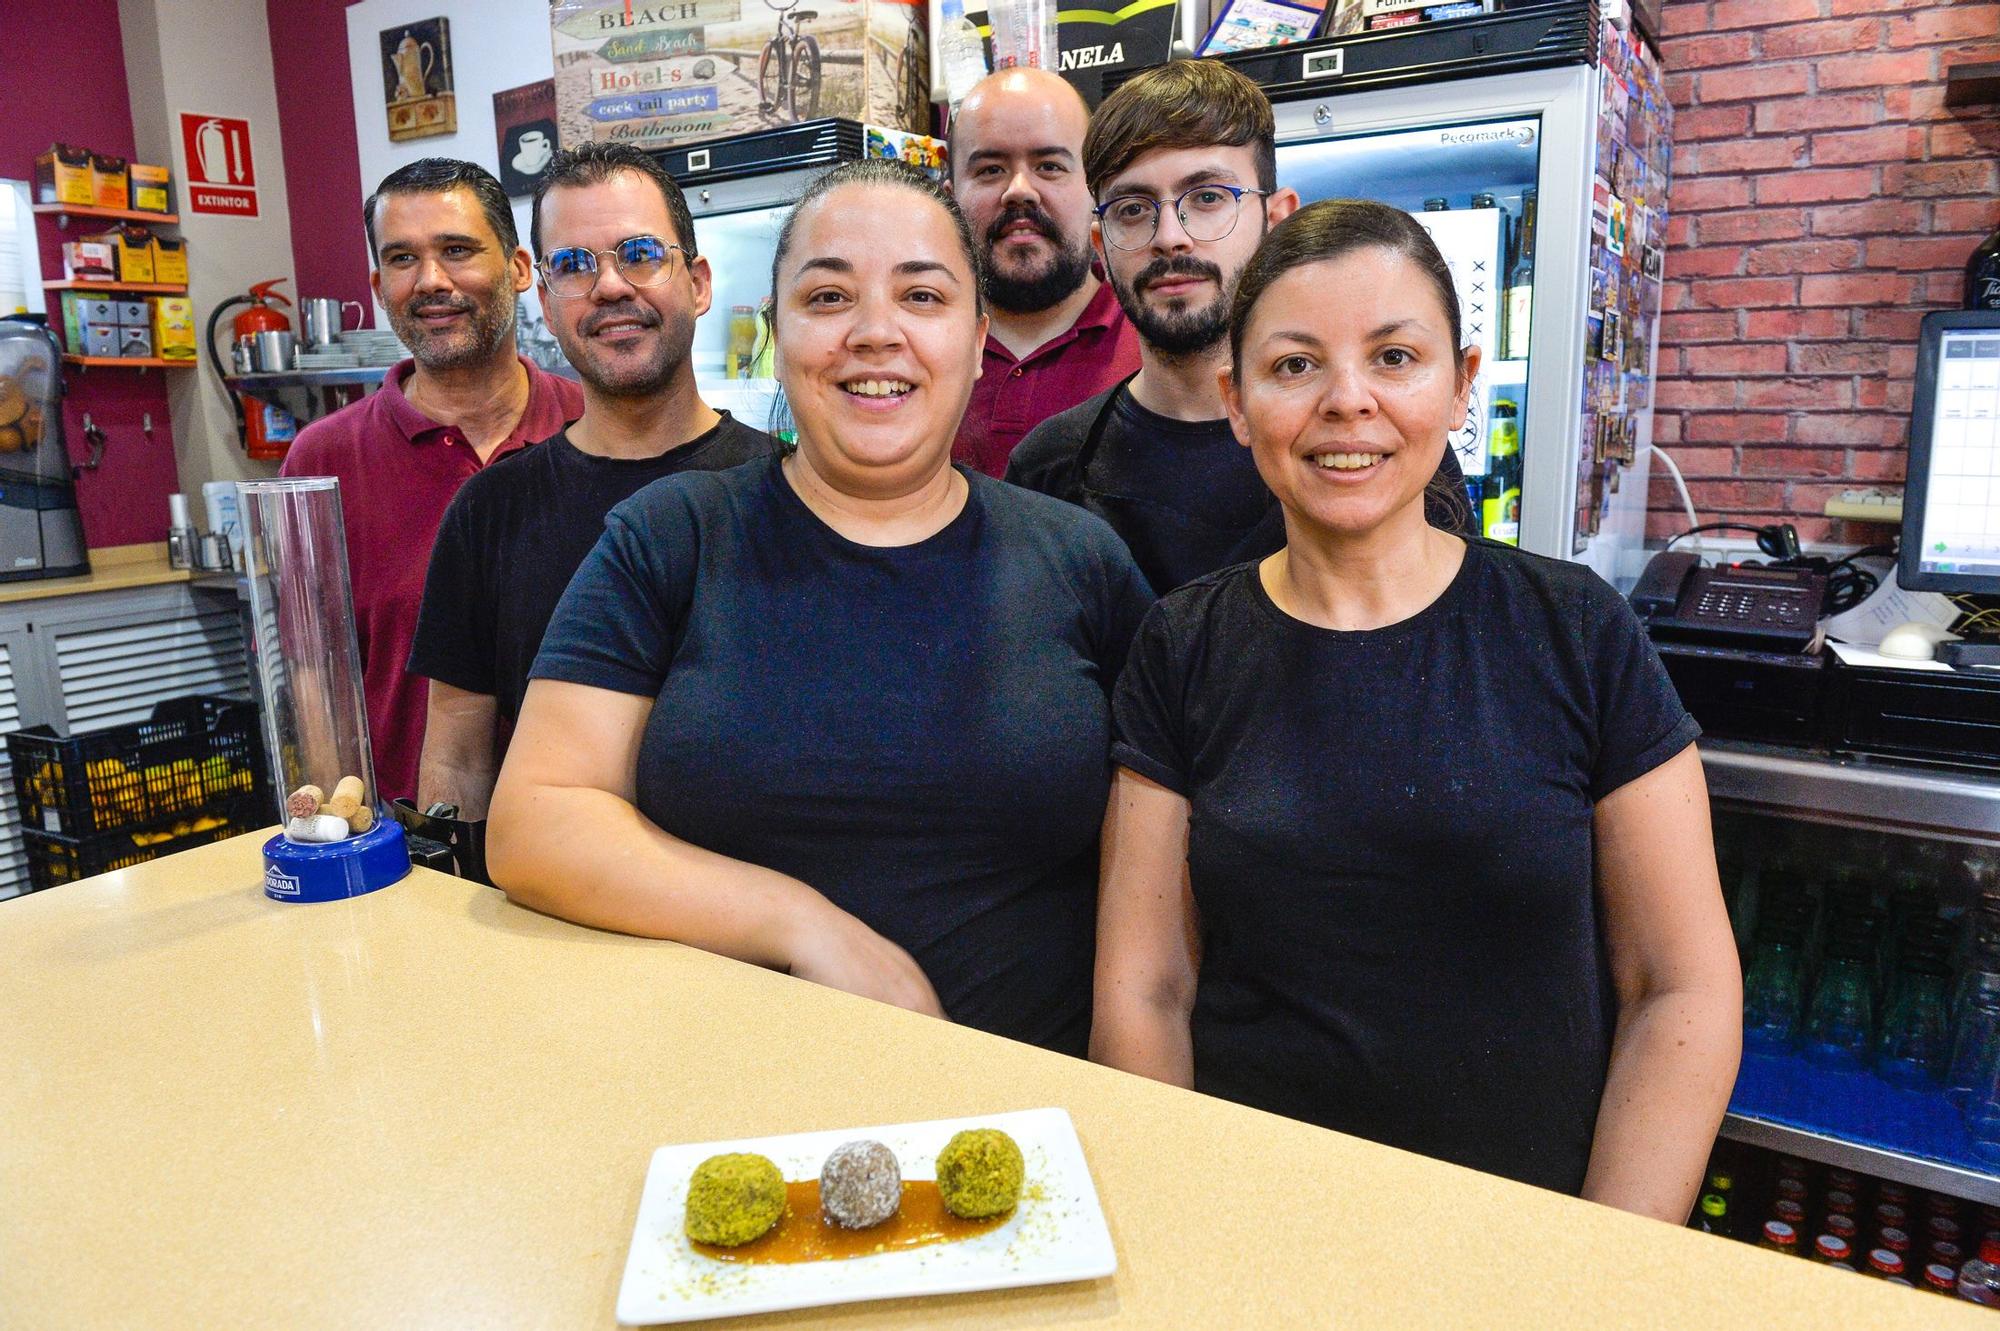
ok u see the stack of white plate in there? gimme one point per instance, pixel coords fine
(328, 359)
(373, 346)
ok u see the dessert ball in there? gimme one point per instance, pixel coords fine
(860, 1184)
(733, 1199)
(979, 1173)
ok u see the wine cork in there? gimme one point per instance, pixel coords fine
(346, 800)
(304, 802)
(320, 828)
(362, 819)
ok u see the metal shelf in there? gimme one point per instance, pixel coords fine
(1848, 1120)
(1872, 792)
(364, 374)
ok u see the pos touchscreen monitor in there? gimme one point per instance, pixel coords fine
(1951, 500)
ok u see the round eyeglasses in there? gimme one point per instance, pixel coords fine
(1206, 212)
(643, 261)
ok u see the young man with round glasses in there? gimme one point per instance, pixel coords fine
(621, 285)
(1182, 163)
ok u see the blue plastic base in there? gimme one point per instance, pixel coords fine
(341, 869)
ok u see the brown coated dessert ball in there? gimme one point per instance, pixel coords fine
(860, 1184)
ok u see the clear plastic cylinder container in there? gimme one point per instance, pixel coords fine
(1024, 34)
(308, 661)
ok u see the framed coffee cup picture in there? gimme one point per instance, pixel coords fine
(416, 79)
(524, 122)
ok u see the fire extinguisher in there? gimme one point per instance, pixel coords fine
(264, 426)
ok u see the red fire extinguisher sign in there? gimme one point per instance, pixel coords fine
(221, 177)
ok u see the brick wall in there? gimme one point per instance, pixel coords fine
(1823, 198)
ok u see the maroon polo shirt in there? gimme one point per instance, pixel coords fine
(1012, 397)
(398, 469)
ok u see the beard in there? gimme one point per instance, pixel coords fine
(473, 342)
(624, 376)
(1180, 329)
(1051, 282)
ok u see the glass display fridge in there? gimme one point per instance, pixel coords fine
(1535, 145)
(739, 190)
(1865, 900)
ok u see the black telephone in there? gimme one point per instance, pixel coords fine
(1756, 608)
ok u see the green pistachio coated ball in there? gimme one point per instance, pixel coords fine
(979, 1173)
(733, 1199)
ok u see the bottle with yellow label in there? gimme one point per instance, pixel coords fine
(1500, 496)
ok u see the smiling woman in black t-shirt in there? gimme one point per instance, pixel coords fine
(1409, 836)
(846, 712)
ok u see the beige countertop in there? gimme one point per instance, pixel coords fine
(428, 1107)
(112, 568)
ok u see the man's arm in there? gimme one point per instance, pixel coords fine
(460, 761)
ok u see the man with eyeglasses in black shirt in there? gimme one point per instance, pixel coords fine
(1182, 164)
(621, 286)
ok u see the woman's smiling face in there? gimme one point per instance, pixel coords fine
(1347, 388)
(878, 336)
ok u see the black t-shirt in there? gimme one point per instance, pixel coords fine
(921, 733)
(1391, 849)
(512, 538)
(1184, 494)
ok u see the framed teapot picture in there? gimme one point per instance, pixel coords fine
(416, 79)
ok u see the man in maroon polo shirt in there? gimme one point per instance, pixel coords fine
(1058, 335)
(448, 267)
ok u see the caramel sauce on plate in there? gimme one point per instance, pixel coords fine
(805, 1234)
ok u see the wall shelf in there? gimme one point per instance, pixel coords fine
(129, 362)
(62, 212)
(80, 284)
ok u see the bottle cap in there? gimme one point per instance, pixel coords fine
(1778, 1232)
(1886, 1262)
(1940, 1277)
(1720, 1181)
(1888, 1213)
(1791, 1189)
(1841, 1201)
(1842, 1225)
(1947, 1254)
(1943, 1227)
(1895, 1240)
(1790, 1212)
(1831, 1248)
(1713, 1206)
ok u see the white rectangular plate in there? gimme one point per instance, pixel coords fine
(1056, 1234)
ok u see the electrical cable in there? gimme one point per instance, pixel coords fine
(1680, 484)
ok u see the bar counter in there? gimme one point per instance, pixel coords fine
(429, 1107)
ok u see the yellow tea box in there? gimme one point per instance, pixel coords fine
(109, 182)
(151, 192)
(173, 328)
(170, 260)
(62, 175)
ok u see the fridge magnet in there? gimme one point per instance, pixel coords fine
(524, 120)
(1250, 25)
(416, 80)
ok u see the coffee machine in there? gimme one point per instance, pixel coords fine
(41, 531)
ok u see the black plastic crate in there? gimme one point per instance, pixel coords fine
(56, 859)
(194, 754)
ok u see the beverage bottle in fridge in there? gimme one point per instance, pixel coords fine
(1977, 1012)
(1521, 285)
(1940, 1279)
(1982, 275)
(1438, 204)
(1887, 1264)
(1500, 495)
(1832, 1249)
(1780, 1237)
(1711, 1214)
(1979, 1278)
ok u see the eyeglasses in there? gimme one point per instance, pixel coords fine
(643, 261)
(1206, 212)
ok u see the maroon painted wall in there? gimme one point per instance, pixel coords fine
(322, 157)
(71, 87)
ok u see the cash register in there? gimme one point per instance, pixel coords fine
(1743, 644)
